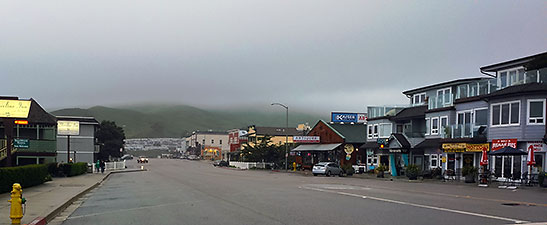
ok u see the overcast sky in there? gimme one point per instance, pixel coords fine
(315, 55)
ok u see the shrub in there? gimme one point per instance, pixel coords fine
(412, 171)
(437, 173)
(469, 170)
(541, 179)
(27, 176)
(348, 169)
(75, 169)
(381, 168)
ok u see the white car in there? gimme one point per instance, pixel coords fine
(327, 168)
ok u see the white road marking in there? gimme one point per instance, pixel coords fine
(517, 221)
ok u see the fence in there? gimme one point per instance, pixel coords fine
(111, 166)
(249, 165)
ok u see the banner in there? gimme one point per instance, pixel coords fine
(14, 108)
(477, 147)
(498, 144)
(306, 139)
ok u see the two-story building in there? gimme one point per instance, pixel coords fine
(213, 139)
(34, 137)
(84, 146)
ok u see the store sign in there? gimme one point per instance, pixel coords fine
(68, 127)
(454, 147)
(348, 148)
(306, 139)
(538, 146)
(14, 108)
(21, 143)
(477, 147)
(348, 117)
(498, 144)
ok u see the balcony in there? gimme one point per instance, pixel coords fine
(468, 130)
(476, 88)
(440, 101)
(379, 111)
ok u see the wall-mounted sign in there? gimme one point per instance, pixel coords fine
(14, 108)
(538, 146)
(477, 147)
(21, 143)
(454, 146)
(348, 148)
(498, 144)
(68, 127)
(348, 117)
(398, 150)
(306, 139)
(348, 156)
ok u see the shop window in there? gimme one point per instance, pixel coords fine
(385, 130)
(434, 161)
(536, 111)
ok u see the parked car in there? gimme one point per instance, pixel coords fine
(127, 157)
(220, 163)
(327, 168)
(142, 159)
(193, 157)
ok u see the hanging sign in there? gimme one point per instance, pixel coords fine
(348, 148)
(498, 144)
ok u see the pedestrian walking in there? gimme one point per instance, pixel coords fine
(98, 165)
(102, 166)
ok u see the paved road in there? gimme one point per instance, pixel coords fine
(190, 192)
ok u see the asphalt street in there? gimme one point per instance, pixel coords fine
(191, 192)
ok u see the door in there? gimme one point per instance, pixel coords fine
(419, 161)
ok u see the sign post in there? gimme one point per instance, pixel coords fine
(68, 128)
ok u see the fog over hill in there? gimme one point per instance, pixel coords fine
(148, 120)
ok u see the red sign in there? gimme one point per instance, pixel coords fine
(498, 144)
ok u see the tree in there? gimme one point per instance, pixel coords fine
(111, 139)
(263, 151)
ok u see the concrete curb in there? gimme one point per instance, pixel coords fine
(51, 215)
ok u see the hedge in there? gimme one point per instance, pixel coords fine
(67, 169)
(27, 176)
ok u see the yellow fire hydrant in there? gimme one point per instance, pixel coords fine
(294, 166)
(17, 201)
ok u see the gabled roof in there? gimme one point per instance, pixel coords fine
(411, 113)
(529, 62)
(37, 114)
(530, 88)
(443, 84)
(351, 133)
(401, 140)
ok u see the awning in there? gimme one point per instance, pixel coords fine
(316, 147)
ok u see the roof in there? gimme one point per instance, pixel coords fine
(443, 84)
(352, 133)
(429, 143)
(370, 145)
(411, 112)
(401, 139)
(81, 119)
(530, 88)
(316, 147)
(277, 131)
(211, 132)
(37, 114)
(529, 62)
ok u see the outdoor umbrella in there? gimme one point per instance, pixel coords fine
(484, 163)
(507, 150)
(531, 160)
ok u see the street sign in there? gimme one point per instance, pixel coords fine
(21, 143)
(68, 127)
(14, 108)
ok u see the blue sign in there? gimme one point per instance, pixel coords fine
(348, 117)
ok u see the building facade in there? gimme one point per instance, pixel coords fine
(84, 146)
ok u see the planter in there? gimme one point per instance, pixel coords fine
(380, 174)
(469, 179)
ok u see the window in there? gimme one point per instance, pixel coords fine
(481, 116)
(419, 99)
(434, 161)
(369, 131)
(444, 123)
(212, 141)
(427, 126)
(443, 96)
(385, 130)
(220, 142)
(507, 113)
(375, 134)
(536, 111)
(435, 126)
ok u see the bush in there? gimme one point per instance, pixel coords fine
(381, 168)
(27, 176)
(469, 170)
(75, 169)
(541, 179)
(412, 171)
(348, 169)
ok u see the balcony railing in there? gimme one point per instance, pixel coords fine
(476, 88)
(440, 101)
(379, 111)
(467, 130)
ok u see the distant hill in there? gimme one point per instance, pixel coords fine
(181, 120)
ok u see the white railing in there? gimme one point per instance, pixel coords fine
(249, 165)
(111, 166)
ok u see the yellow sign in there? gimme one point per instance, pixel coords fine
(477, 147)
(443, 159)
(14, 108)
(454, 146)
(348, 148)
(68, 127)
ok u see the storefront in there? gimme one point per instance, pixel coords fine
(459, 155)
(540, 152)
(309, 154)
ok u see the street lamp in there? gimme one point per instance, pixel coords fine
(286, 134)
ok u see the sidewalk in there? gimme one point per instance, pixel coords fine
(48, 199)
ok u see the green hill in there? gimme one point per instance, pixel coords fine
(181, 120)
